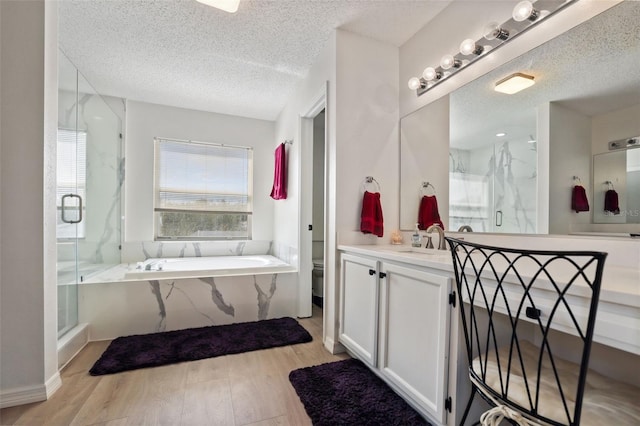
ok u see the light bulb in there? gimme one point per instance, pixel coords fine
(430, 74)
(493, 30)
(414, 83)
(523, 11)
(448, 61)
(468, 46)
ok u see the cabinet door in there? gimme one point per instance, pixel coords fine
(359, 307)
(414, 336)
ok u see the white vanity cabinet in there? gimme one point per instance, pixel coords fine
(395, 317)
(359, 291)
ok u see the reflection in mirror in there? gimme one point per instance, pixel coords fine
(616, 187)
(424, 146)
(583, 98)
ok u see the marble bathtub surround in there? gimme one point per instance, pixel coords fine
(217, 297)
(143, 250)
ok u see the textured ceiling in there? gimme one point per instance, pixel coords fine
(183, 53)
(592, 69)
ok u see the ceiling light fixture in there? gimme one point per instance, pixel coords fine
(514, 83)
(230, 6)
(501, 134)
(524, 16)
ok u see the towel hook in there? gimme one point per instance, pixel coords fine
(609, 183)
(288, 142)
(369, 180)
(577, 178)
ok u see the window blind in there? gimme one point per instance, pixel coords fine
(203, 177)
(71, 163)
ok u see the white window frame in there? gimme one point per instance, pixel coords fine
(157, 202)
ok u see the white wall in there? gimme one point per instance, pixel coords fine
(28, 84)
(362, 140)
(367, 129)
(145, 121)
(569, 155)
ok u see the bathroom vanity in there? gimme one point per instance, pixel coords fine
(398, 314)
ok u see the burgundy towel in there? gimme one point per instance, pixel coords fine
(371, 221)
(579, 201)
(428, 213)
(279, 190)
(611, 202)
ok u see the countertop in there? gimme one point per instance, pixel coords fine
(620, 285)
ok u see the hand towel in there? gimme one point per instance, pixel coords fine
(611, 202)
(428, 212)
(579, 201)
(371, 221)
(279, 190)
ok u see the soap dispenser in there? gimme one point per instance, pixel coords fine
(415, 238)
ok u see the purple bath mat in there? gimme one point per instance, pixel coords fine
(348, 393)
(152, 350)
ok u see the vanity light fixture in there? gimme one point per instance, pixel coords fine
(525, 10)
(448, 62)
(431, 74)
(468, 47)
(230, 6)
(524, 16)
(415, 83)
(514, 83)
(493, 31)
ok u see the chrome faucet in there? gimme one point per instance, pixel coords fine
(465, 228)
(442, 245)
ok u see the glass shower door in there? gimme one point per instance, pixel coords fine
(89, 181)
(70, 172)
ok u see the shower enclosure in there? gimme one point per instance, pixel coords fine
(89, 181)
(492, 187)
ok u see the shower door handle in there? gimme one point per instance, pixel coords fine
(498, 217)
(64, 208)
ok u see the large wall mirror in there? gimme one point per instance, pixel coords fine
(514, 159)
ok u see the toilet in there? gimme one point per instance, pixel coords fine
(317, 285)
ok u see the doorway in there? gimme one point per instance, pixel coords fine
(312, 232)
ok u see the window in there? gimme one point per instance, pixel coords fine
(202, 190)
(71, 178)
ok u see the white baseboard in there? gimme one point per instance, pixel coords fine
(30, 394)
(53, 384)
(332, 346)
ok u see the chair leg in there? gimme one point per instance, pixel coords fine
(468, 407)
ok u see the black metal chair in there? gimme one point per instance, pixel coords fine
(510, 298)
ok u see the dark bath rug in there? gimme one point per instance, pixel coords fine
(348, 393)
(152, 350)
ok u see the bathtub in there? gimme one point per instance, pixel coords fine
(196, 267)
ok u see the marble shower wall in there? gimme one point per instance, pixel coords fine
(104, 176)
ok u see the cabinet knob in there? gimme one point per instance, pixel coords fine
(382, 275)
(372, 272)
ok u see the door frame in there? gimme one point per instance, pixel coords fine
(305, 207)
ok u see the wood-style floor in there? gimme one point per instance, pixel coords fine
(245, 389)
